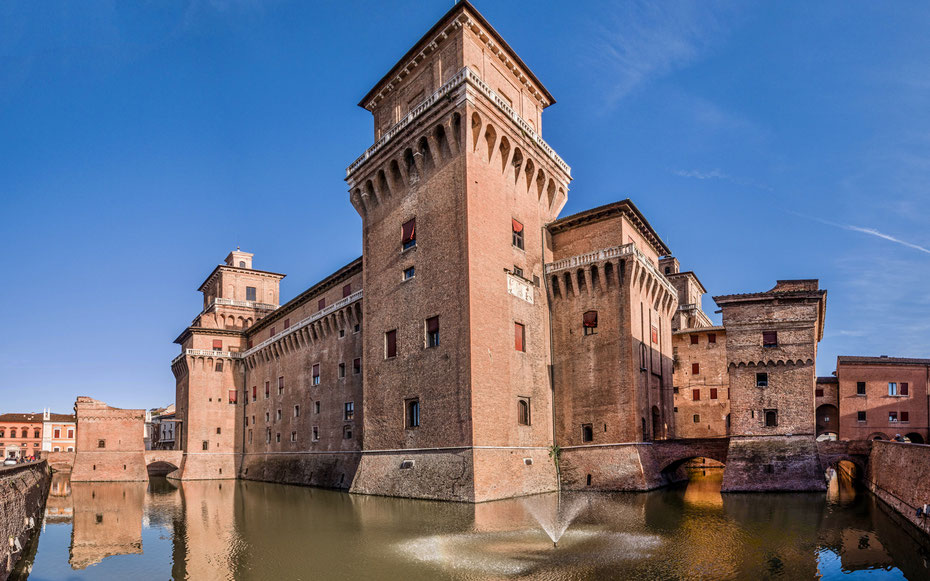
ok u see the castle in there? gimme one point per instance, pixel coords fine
(482, 347)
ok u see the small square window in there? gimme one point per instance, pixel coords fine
(217, 344)
(342, 333)
(712, 338)
(356, 328)
(409, 273)
(694, 339)
(589, 322)
(860, 416)
(100, 443)
(892, 388)
(860, 388)
(770, 339)
(713, 393)
(250, 293)
(762, 379)
(587, 433)
(517, 271)
(697, 418)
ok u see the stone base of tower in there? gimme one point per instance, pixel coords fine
(207, 466)
(618, 467)
(335, 470)
(462, 475)
(109, 467)
(773, 464)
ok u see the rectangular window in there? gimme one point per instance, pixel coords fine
(346, 432)
(254, 391)
(267, 417)
(409, 273)
(432, 332)
(519, 337)
(219, 366)
(250, 343)
(697, 418)
(712, 337)
(217, 344)
(818, 392)
(589, 321)
(218, 430)
(346, 290)
(694, 339)
(695, 369)
(70, 434)
(250, 293)
(390, 344)
(412, 407)
(271, 332)
(268, 436)
(349, 411)
(277, 416)
(655, 334)
(296, 411)
(267, 389)
(892, 388)
(771, 418)
(342, 370)
(316, 407)
(250, 436)
(233, 396)
(293, 436)
(762, 379)
(696, 395)
(770, 339)
(409, 234)
(860, 388)
(587, 433)
(277, 438)
(517, 233)
(316, 434)
(205, 445)
(905, 416)
(321, 304)
(892, 417)
(713, 393)
(281, 385)
(903, 390)
(860, 416)
(287, 323)
(523, 411)
(57, 433)
(518, 271)
(356, 366)
(315, 375)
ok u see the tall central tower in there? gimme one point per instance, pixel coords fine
(453, 197)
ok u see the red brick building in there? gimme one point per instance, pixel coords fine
(881, 397)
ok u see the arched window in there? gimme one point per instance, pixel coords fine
(241, 264)
(771, 418)
(12, 432)
(2, 434)
(36, 434)
(523, 411)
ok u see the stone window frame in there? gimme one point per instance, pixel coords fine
(762, 379)
(297, 411)
(696, 419)
(765, 417)
(348, 411)
(587, 433)
(408, 273)
(315, 374)
(342, 370)
(431, 338)
(412, 413)
(390, 344)
(524, 411)
(860, 384)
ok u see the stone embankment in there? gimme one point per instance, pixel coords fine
(899, 474)
(23, 490)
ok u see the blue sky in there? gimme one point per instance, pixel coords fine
(141, 142)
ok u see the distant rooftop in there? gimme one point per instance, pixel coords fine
(881, 360)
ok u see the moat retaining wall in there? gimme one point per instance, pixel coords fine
(23, 490)
(899, 474)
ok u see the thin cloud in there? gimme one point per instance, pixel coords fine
(870, 232)
(716, 174)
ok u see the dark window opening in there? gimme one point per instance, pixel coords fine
(771, 418)
(712, 337)
(587, 433)
(100, 443)
(770, 339)
(762, 379)
(519, 341)
(695, 369)
(315, 376)
(409, 234)
(517, 233)
(432, 332)
(697, 418)
(346, 290)
(523, 411)
(413, 413)
(713, 393)
(694, 339)
(860, 388)
(860, 416)
(390, 344)
(589, 320)
(250, 293)
(409, 273)
(349, 411)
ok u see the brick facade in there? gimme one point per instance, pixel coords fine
(110, 444)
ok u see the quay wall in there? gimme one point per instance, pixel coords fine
(23, 490)
(899, 474)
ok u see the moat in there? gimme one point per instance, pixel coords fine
(251, 530)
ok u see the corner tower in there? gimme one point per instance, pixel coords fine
(209, 372)
(454, 195)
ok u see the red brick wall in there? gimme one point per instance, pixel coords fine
(711, 359)
(877, 404)
(122, 455)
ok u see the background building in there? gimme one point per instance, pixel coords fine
(21, 435)
(59, 432)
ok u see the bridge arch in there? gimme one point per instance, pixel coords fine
(670, 455)
(914, 437)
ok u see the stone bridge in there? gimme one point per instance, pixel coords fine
(855, 451)
(172, 457)
(669, 455)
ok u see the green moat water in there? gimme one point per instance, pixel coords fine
(252, 530)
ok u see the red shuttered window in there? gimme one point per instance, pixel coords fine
(409, 234)
(217, 344)
(713, 393)
(695, 369)
(696, 394)
(519, 337)
(346, 290)
(390, 344)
